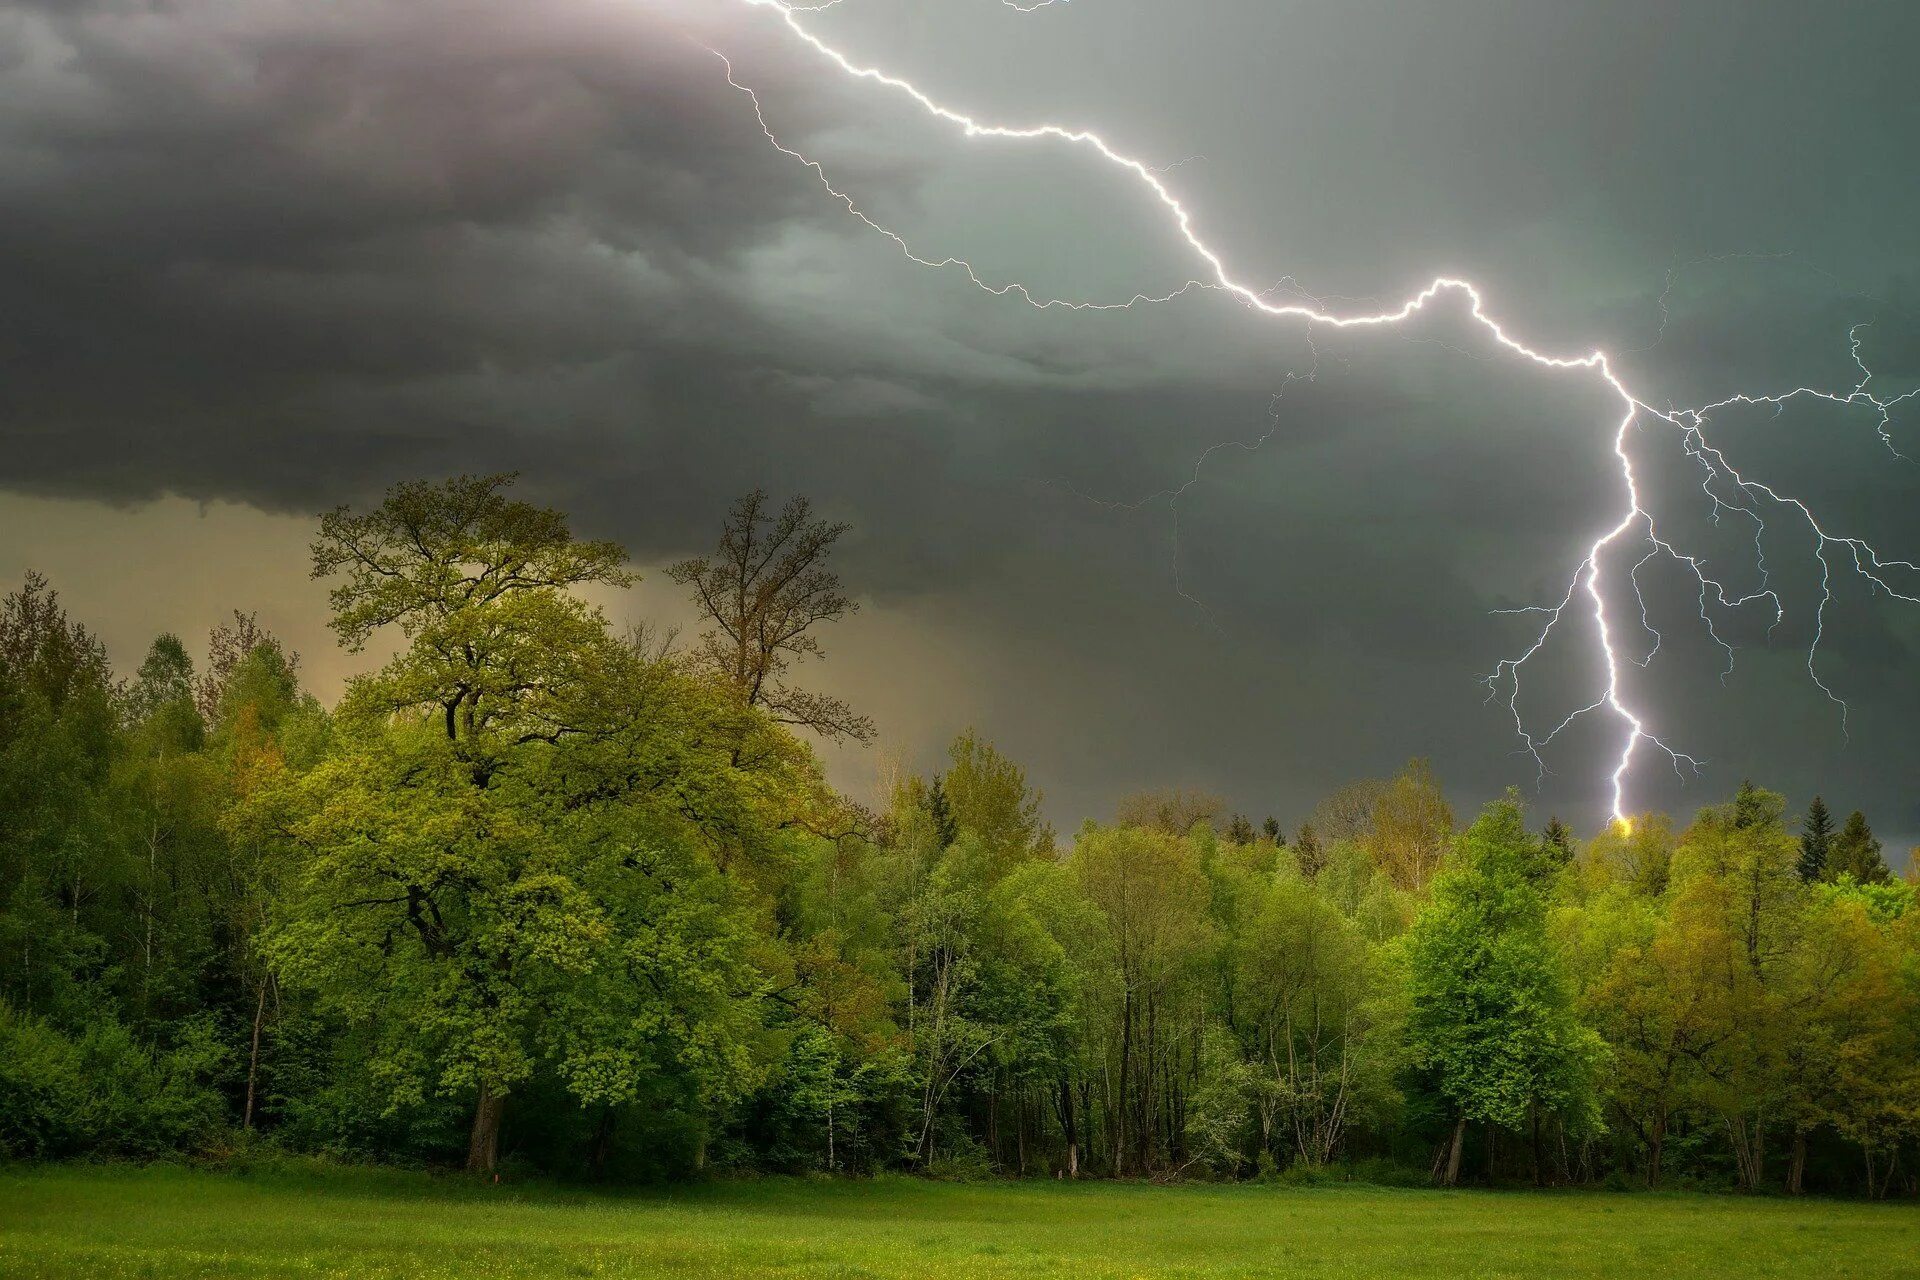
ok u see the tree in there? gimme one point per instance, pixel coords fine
(498, 878)
(1840, 1011)
(1816, 841)
(265, 731)
(1271, 829)
(765, 590)
(58, 725)
(1753, 807)
(1240, 830)
(162, 694)
(1174, 810)
(1490, 1017)
(1856, 853)
(228, 645)
(1347, 814)
(1409, 826)
(163, 799)
(1321, 1021)
(1559, 842)
(940, 811)
(1737, 897)
(480, 586)
(1655, 1004)
(1638, 854)
(989, 797)
(490, 934)
(1306, 849)
(1152, 900)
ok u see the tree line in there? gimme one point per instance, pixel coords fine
(542, 893)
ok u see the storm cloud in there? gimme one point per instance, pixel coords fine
(284, 254)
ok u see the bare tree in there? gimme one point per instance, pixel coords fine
(1173, 810)
(1348, 814)
(764, 590)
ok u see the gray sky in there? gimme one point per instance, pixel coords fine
(263, 257)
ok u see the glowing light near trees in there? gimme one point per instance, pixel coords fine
(1593, 590)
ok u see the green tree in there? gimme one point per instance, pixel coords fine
(497, 856)
(1816, 841)
(1856, 853)
(58, 738)
(1490, 1016)
(989, 796)
(940, 810)
(1152, 898)
(480, 586)
(1558, 841)
(1638, 854)
(1306, 849)
(1317, 1010)
(228, 646)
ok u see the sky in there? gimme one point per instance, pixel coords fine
(262, 258)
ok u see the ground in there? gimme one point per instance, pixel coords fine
(165, 1222)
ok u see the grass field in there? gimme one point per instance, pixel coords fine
(70, 1221)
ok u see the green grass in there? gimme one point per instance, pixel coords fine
(77, 1221)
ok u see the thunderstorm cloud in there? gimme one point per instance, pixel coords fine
(266, 257)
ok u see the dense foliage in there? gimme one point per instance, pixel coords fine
(540, 892)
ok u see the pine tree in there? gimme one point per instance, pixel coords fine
(1748, 808)
(941, 811)
(1856, 853)
(1306, 847)
(1559, 843)
(1816, 841)
(1272, 827)
(1240, 831)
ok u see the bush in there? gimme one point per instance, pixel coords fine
(959, 1158)
(102, 1092)
(1378, 1172)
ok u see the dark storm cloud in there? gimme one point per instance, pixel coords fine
(226, 225)
(287, 253)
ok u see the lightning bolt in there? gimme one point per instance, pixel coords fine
(1589, 585)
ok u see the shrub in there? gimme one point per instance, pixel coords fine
(103, 1092)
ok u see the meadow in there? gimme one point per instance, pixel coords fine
(172, 1221)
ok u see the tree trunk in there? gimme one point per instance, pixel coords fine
(1656, 1142)
(1068, 1129)
(1452, 1177)
(253, 1057)
(483, 1146)
(993, 1131)
(1797, 1167)
(1748, 1138)
(1126, 1063)
(602, 1145)
(1538, 1179)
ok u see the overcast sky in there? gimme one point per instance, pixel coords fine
(259, 257)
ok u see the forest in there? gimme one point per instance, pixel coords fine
(540, 897)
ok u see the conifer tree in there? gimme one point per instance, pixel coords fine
(1816, 841)
(1856, 853)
